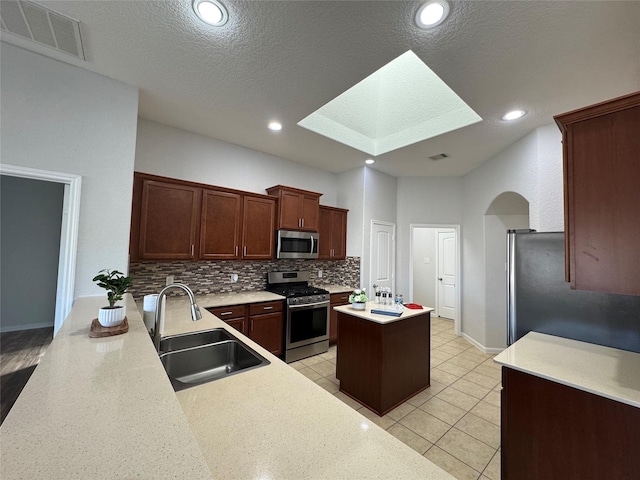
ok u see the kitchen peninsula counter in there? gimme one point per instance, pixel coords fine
(383, 360)
(104, 408)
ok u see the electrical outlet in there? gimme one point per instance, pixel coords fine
(170, 280)
(234, 278)
(319, 273)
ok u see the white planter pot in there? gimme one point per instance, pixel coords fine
(359, 306)
(112, 317)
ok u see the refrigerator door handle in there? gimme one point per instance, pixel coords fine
(511, 287)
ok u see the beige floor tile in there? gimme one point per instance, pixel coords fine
(493, 397)
(324, 368)
(489, 412)
(451, 464)
(435, 353)
(458, 398)
(476, 355)
(453, 369)
(436, 342)
(464, 447)
(329, 355)
(443, 377)
(310, 374)
(470, 388)
(480, 429)
(490, 363)
(455, 349)
(401, 411)
(460, 341)
(334, 379)
(328, 385)
(436, 387)
(420, 398)
(409, 438)
(447, 335)
(482, 477)
(312, 360)
(384, 422)
(480, 379)
(425, 425)
(297, 365)
(493, 469)
(435, 362)
(443, 410)
(464, 362)
(488, 371)
(347, 400)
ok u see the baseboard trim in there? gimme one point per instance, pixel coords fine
(481, 347)
(28, 326)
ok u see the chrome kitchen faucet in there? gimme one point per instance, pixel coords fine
(195, 310)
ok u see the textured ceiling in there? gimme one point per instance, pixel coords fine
(285, 59)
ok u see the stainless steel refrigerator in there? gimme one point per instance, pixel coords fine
(540, 300)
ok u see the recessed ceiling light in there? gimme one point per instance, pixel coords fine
(432, 13)
(275, 126)
(369, 161)
(211, 12)
(514, 115)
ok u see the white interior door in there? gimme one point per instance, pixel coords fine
(446, 284)
(382, 265)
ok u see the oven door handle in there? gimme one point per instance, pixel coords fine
(309, 305)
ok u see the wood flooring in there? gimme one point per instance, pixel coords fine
(20, 353)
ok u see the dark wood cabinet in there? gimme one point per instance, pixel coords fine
(553, 431)
(178, 220)
(332, 230)
(266, 325)
(601, 148)
(235, 316)
(337, 299)
(297, 209)
(167, 221)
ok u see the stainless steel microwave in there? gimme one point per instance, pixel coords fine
(290, 244)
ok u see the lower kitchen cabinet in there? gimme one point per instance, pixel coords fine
(553, 431)
(337, 299)
(266, 325)
(235, 316)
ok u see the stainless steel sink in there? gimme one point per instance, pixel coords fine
(188, 340)
(193, 366)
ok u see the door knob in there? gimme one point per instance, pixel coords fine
(440, 279)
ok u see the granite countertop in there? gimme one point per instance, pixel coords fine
(380, 318)
(104, 408)
(336, 288)
(604, 371)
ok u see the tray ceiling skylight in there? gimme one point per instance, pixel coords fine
(402, 103)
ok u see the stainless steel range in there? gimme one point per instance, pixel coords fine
(307, 315)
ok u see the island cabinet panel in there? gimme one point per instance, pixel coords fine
(337, 299)
(553, 431)
(258, 224)
(332, 230)
(297, 209)
(266, 325)
(601, 147)
(383, 365)
(221, 225)
(169, 220)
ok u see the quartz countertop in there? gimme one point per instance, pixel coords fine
(380, 318)
(104, 408)
(212, 300)
(99, 408)
(604, 371)
(336, 288)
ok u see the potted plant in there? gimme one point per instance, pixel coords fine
(116, 285)
(358, 299)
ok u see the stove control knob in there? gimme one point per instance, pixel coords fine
(293, 301)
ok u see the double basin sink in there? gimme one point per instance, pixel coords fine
(192, 359)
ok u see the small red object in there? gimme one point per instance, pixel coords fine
(413, 306)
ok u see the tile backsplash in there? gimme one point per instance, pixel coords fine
(215, 277)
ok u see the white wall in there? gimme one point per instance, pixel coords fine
(351, 196)
(62, 118)
(531, 167)
(175, 153)
(421, 200)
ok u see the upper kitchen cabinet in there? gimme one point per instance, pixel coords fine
(297, 209)
(258, 222)
(601, 150)
(165, 225)
(332, 230)
(221, 225)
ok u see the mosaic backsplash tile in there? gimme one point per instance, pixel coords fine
(215, 277)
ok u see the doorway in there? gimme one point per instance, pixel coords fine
(435, 270)
(382, 267)
(68, 233)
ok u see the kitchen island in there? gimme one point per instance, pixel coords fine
(104, 408)
(383, 360)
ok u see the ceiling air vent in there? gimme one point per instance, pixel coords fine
(42, 25)
(439, 156)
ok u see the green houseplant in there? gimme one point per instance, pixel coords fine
(116, 284)
(358, 299)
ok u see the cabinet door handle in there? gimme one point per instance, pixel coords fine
(251, 325)
(222, 314)
(303, 222)
(242, 326)
(300, 222)
(244, 251)
(236, 250)
(192, 247)
(268, 308)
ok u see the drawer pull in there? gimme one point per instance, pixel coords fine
(222, 314)
(268, 308)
